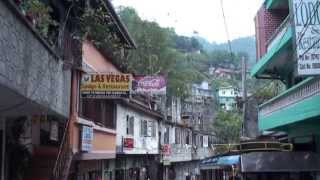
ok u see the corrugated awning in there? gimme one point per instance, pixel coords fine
(257, 162)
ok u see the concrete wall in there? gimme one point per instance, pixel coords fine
(142, 145)
(29, 69)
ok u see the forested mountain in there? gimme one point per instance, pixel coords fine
(244, 44)
(183, 60)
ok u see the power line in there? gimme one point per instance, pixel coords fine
(226, 27)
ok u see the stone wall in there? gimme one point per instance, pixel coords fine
(28, 67)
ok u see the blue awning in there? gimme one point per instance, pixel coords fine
(220, 161)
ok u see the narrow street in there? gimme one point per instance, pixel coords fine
(159, 90)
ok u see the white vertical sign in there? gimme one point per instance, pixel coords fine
(307, 32)
(86, 138)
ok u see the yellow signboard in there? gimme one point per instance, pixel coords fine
(105, 85)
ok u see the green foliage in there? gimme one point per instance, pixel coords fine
(227, 126)
(40, 13)
(157, 52)
(93, 25)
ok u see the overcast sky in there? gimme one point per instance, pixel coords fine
(203, 16)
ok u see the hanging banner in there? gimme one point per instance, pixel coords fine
(307, 33)
(149, 84)
(105, 85)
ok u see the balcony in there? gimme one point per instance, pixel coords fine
(279, 51)
(299, 103)
(102, 144)
(177, 153)
(32, 75)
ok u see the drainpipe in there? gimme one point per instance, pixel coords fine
(3, 155)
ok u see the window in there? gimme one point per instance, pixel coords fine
(102, 112)
(177, 135)
(130, 125)
(144, 128)
(166, 135)
(154, 129)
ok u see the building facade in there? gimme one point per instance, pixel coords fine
(228, 98)
(137, 141)
(294, 111)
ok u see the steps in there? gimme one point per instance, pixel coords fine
(42, 163)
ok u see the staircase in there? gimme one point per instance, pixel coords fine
(42, 163)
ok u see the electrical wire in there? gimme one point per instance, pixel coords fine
(226, 28)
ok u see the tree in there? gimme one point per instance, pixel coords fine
(227, 127)
(157, 52)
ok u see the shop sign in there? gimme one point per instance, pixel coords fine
(105, 85)
(86, 138)
(307, 33)
(149, 84)
(166, 149)
(128, 143)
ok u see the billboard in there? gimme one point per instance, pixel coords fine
(149, 84)
(105, 85)
(307, 34)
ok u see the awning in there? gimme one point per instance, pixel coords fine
(280, 162)
(219, 162)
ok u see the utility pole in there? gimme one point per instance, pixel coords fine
(244, 94)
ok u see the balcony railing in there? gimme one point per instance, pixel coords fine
(302, 91)
(279, 33)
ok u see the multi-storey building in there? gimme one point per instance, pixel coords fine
(227, 97)
(35, 89)
(185, 133)
(285, 46)
(48, 131)
(137, 140)
(90, 147)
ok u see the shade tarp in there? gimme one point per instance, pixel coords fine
(280, 162)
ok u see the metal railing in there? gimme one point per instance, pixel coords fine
(306, 89)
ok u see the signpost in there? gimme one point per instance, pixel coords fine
(105, 85)
(307, 36)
